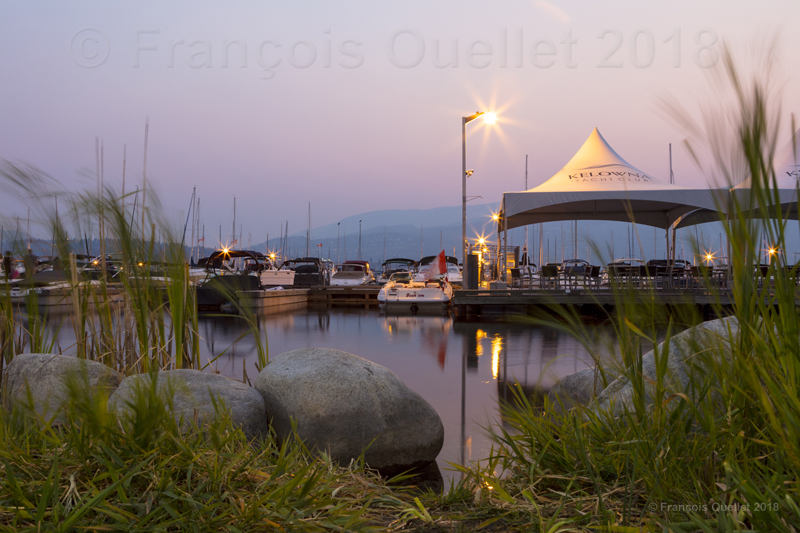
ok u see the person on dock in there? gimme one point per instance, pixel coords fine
(30, 260)
(526, 267)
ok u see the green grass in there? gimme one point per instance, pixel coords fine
(143, 473)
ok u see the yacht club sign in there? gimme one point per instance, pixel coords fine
(608, 175)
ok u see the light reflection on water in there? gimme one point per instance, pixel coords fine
(462, 368)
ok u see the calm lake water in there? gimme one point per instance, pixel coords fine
(433, 355)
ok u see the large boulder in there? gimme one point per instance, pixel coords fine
(47, 376)
(343, 404)
(688, 354)
(193, 394)
(575, 389)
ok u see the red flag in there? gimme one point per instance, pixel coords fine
(319, 245)
(437, 267)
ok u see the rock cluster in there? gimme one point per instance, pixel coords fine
(685, 356)
(340, 404)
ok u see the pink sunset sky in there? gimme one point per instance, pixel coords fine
(355, 106)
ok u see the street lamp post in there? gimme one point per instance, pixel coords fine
(490, 117)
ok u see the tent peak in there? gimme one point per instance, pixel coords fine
(597, 166)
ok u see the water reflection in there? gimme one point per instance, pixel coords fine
(464, 369)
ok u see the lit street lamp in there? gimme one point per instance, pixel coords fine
(489, 118)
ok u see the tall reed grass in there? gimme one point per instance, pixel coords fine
(142, 318)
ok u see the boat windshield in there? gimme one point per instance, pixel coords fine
(401, 276)
(351, 268)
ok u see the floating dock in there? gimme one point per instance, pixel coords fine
(476, 301)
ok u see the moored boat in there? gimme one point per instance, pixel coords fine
(352, 273)
(229, 272)
(308, 271)
(403, 292)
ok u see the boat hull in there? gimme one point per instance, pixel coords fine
(219, 290)
(415, 295)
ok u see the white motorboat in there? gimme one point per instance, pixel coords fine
(352, 273)
(402, 292)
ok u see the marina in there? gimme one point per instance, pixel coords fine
(424, 292)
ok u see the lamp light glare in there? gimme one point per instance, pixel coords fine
(489, 117)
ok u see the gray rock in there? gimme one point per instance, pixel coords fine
(47, 377)
(688, 354)
(575, 389)
(343, 403)
(192, 393)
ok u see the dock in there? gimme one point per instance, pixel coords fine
(583, 297)
(475, 301)
(358, 295)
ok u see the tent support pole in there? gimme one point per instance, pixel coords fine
(666, 235)
(505, 248)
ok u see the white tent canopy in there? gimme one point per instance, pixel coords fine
(597, 184)
(787, 178)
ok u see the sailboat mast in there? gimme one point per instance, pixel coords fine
(194, 214)
(541, 245)
(233, 228)
(308, 235)
(671, 253)
(144, 177)
(525, 247)
(124, 160)
(199, 252)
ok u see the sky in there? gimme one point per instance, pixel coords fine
(356, 106)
